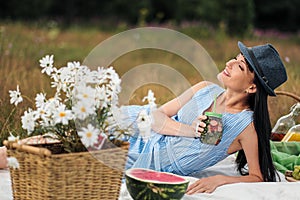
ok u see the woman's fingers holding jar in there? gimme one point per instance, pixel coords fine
(202, 117)
(198, 125)
(202, 122)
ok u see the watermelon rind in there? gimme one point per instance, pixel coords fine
(154, 190)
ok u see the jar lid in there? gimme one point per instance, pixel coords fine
(213, 114)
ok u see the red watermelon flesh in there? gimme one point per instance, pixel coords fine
(143, 184)
(155, 176)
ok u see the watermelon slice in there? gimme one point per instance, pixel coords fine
(150, 184)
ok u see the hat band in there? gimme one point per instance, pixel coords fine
(255, 62)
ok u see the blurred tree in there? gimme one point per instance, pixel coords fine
(236, 16)
(210, 11)
(28, 9)
(162, 11)
(279, 14)
(67, 10)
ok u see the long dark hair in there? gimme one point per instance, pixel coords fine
(258, 102)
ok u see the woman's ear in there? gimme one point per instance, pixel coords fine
(252, 89)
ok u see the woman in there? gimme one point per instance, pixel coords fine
(249, 79)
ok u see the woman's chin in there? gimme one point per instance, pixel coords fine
(219, 77)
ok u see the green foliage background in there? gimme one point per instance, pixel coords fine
(236, 17)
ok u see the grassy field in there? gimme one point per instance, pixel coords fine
(23, 44)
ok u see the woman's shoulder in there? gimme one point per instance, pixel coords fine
(206, 86)
(201, 85)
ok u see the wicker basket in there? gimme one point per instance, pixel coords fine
(278, 108)
(85, 175)
(288, 94)
(281, 104)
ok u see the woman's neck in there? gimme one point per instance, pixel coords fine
(233, 102)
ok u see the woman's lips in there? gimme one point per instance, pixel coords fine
(226, 72)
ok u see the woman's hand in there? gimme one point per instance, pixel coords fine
(205, 185)
(198, 125)
(3, 157)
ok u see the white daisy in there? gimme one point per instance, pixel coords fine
(62, 115)
(101, 75)
(83, 110)
(42, 114)
(89, 135)
(66, 76)
(12, 138)
(150, 98)
(13, 162)
(47, 64)
(144, 124)
(15, 96)
(116, 81)
(100, 95)
(27, 120)
(121, 117)
(73, 66)
(51, 105)
(40, 100)
(85, 93)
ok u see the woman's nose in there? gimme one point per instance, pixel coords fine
(229, 63)
(232, 61)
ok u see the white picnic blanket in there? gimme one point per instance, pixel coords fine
(247, 191)
(273, 191)
(5, 185)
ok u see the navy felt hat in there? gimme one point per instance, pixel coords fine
(267, 65)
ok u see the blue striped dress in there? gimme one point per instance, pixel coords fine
(183, 155)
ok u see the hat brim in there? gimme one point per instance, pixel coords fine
(244, 51)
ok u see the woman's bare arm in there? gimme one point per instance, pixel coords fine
(248, 141)
(163, 124)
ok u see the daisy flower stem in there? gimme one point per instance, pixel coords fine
(7, 119)
(26, 97)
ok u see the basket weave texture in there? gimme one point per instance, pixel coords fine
(84, 175)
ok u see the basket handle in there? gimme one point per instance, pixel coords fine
(27, 148)
(294, 96)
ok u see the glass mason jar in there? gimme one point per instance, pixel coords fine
(213, 131)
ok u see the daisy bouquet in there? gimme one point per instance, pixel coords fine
(80, 114)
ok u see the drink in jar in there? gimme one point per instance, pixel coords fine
(213, 131)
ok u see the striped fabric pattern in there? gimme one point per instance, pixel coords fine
(183, 155)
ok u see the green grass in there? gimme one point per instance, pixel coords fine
(23, 44)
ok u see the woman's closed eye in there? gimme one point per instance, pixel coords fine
(241, 67)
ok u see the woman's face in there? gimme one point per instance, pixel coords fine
(236, 74)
